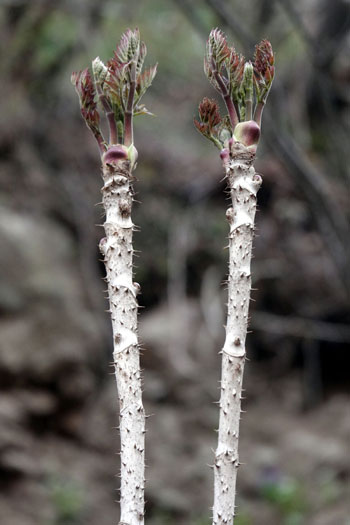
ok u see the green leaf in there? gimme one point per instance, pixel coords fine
(144, 81)
(142, 110)
(141, 58)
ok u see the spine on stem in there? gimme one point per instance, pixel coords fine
(118, 88)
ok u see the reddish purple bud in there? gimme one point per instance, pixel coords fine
(263, 58)
(209, 112)
(248, 133)
(114, 154)
(224, 155)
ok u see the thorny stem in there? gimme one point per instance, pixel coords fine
(117, 250)
(237, 153)
(244, 184)
(128, 133)
(118, 161)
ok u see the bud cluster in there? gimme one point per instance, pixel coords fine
(244, 87)
(210, 121)
(117, 87)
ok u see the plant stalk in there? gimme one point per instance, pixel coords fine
(100, 141)
(129, 132)
(244, 184)
(258, 113)
(113, 132)
(249, 109)
(226, 96)
(117, 250)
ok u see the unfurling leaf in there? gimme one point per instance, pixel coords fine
(235, 69)
(123, 52)
(210, 123)
(85, 88)
(215, 60)
(217, 48)
(141, 58)
(142, 110)
(264, 70)
(99, 70)
(245, 93)
(144, 81)
(209, 112)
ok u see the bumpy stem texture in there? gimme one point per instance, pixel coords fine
(244, 184)
(118, 254)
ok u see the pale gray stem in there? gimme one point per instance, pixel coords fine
(118, 255)
(244, 184)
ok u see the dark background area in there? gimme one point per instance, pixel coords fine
(58, 401)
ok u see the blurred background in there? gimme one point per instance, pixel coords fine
(58, 400)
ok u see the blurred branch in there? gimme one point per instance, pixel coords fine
(179, 243)
(21, 36)
(13, 3)
(190, 13)
(312, 184)
(325, 54)
(223, 13)
(300, 327)
(321, 57)
(298, 23)
(312, 373)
